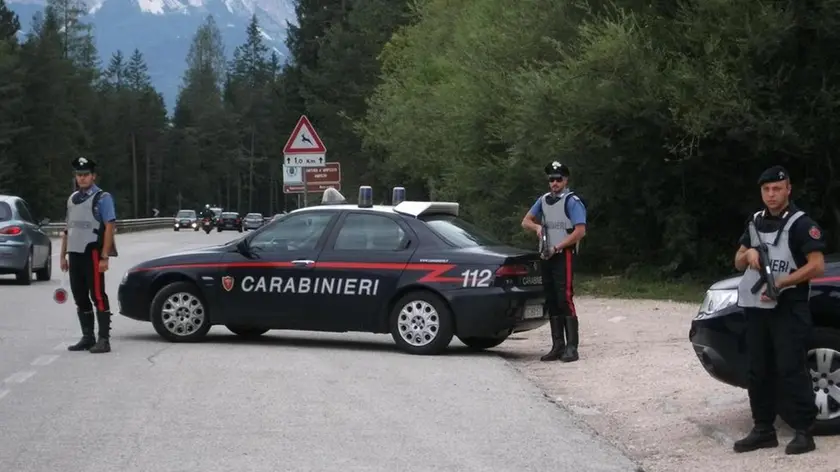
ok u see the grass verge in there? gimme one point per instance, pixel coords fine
(615, 286)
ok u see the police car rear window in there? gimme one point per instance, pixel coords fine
(458, 232)
(5, 211)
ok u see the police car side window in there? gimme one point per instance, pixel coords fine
(369, 233)
(297, 232)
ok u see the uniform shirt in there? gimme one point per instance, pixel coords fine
(106, 210)
(806, 236)
(575, 209)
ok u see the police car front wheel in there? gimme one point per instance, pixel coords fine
(179, 313)
(421, 323)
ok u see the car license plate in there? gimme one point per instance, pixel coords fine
(533, 311)
(536, 280)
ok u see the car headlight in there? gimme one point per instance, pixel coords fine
(193, 225)
(716, 301)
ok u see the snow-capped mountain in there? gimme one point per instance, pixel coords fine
(163, 29)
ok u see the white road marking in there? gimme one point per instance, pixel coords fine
(3, 393)
(44, 360)
(19, 377)
(61, 346)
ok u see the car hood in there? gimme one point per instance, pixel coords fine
(207, 254)
(727, 284)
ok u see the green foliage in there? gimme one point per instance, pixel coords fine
(665, 111)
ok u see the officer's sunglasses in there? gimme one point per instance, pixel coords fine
(555, 179)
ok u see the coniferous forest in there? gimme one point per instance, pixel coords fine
(665, 111)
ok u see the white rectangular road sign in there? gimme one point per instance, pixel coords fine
(292, 175)
(305, 160)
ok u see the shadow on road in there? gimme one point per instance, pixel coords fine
(287, 339)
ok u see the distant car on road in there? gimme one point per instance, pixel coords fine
(718, 330)
(253, 221)
(186, 219)
(24, 246)
(229, 220)
(415, 270)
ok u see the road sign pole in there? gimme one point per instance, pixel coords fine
(305, 189)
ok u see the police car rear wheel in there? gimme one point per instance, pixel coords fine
(421, 323)
(179, 313)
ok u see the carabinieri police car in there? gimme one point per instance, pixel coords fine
(412, 269)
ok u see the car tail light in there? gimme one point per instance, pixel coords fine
(512, 270)
(11, 230)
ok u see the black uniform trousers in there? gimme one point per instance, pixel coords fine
(779, 381)
(558, 284)
(86, 282)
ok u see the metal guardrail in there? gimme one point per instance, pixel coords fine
(54, 229)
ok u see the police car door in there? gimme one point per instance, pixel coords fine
(359, 269)
(268, 280)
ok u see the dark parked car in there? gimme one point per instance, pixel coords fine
(718, 336)
(186, 219)
(24, 246)
(229, 220)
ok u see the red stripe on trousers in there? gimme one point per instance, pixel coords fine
(97, 283)
(569, 290)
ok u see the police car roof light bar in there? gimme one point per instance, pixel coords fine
(397, 195)
(365, 196)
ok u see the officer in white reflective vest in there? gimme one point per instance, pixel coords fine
(561, 215)
(778, 330)
(88, 240)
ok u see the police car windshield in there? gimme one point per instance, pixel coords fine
(5, 211)
(186, 213)
(458, 232)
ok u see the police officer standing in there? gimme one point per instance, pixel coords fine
(88, 240)
(561, 215)
(778, 330)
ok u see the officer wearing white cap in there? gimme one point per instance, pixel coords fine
(88, 240)
(561, 215)
(778, 330)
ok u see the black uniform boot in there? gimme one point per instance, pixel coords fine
(88, 339)
(558, 339)
(103, 344)
(760, 437)
(571, 353)
(801, 443)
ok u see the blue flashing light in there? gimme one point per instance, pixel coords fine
(365, 196)
(398, 196)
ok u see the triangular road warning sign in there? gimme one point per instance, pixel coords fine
(304, 139)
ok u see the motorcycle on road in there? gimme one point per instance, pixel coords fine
(207, 225)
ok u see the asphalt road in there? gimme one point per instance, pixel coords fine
(292, 401)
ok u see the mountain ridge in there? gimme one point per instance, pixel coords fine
(162, 30)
